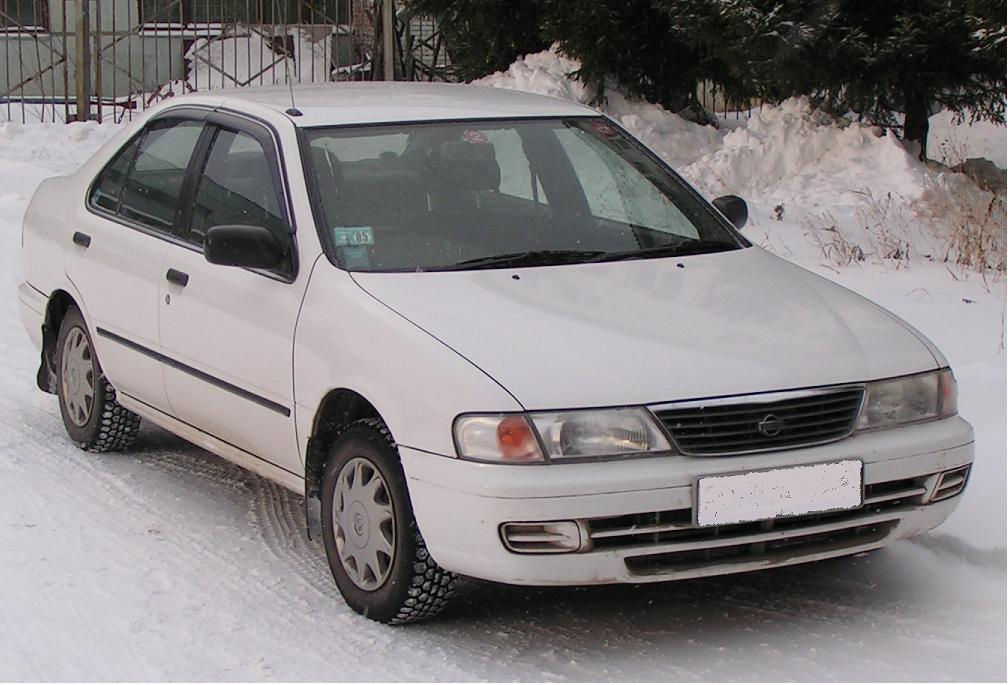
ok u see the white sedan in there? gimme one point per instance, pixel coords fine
(484, 333)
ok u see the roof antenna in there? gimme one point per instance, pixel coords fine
(293, 111)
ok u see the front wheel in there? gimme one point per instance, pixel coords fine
(91, 415)
(375, 551)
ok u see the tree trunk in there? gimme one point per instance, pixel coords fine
(915, 123)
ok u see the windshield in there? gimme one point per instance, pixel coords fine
(494, 194)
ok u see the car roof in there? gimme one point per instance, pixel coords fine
(334, 104)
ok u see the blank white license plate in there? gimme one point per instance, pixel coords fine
(792, 491)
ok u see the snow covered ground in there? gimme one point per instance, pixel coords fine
(169, 563)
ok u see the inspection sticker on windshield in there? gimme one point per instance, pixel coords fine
(475, 137)
(761, 495)
(347, 236)
(603, 129)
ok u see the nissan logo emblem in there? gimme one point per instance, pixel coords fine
(770, 425)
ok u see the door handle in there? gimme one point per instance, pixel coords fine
(179, 278)
(82, 239)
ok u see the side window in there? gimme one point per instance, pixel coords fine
(151, 192)
(236, 187)
(108, 186)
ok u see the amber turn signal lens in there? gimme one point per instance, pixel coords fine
(516, 439)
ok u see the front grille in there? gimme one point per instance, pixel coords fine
(756, 423)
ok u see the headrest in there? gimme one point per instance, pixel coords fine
(327, 168)
(461, 165)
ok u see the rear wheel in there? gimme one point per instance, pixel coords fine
(91, 415)
(375, 551)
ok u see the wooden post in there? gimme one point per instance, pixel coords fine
(82, 68)
(388, 40)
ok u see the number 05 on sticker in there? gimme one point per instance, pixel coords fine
(792, 491)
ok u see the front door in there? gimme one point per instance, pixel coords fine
(227, 332)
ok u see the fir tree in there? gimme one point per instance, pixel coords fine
(632, 42)
(911, 57)
(484, 36)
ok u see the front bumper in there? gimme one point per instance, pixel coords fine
(461, 505)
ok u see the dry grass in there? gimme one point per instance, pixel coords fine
(954, 222)
(970, 221)
(836, 248)
(882, 231)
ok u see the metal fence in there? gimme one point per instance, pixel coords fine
(712, 98)
(66, 60)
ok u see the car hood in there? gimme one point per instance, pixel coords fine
(654, 330)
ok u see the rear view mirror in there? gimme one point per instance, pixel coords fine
(238, 245)
(734, 208)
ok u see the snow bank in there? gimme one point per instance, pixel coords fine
(802, 156)
(55, 148)
(547, 73)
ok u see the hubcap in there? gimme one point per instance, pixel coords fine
(364, 524)
(77, 377)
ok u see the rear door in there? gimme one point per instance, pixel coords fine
(227, 332)
(119, 242)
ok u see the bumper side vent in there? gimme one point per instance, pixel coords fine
(951, 483)
(544, 537)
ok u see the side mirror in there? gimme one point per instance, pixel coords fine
(734, 208)
(237, 245)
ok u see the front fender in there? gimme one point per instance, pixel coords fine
(345, 338)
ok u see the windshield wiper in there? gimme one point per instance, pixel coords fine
(550, 257)
(687, 247)
(531, 258)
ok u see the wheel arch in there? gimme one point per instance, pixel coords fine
(60, 302)
(339, 409)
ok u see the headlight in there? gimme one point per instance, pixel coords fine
(909, 399)
(601, 433)
(563, 435)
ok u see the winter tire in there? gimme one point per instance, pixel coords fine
(375, 551)
(91, 415)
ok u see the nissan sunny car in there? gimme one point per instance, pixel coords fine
(484, 333)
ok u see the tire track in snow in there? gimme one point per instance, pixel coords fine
(284, 537)
(112, 489)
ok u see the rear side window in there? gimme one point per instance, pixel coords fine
(151, 192)
(107, 188)
(236, 187)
